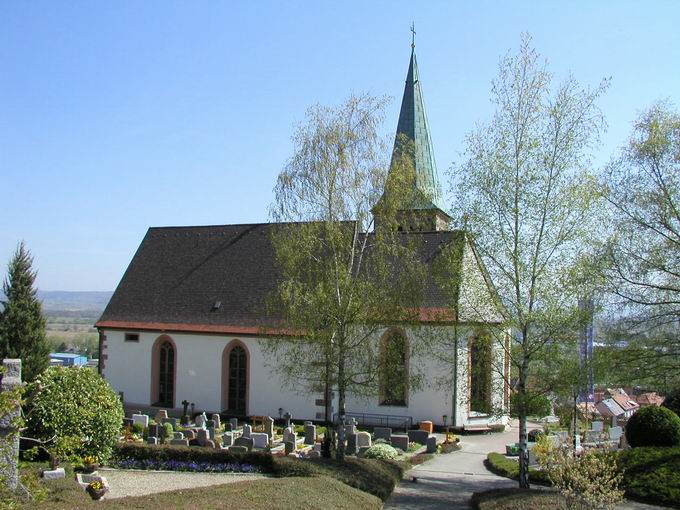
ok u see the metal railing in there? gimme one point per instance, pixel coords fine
(379, 420)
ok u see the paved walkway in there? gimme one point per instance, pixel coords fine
(448, 481)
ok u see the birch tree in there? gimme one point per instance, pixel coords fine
(528, 198)
(339, 286)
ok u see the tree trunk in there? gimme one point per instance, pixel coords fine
(523, 436)
(340, 450)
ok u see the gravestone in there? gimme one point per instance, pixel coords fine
(382, 433)
(211, 433)
(185, 420)
(154, 430)
(141, 419)
(260, 439)
(151, 440)
(127, 422)
(597, 425)
(209, 444)
(9, 435)
(237, 449)
(313, 454)
(269, 426)
(190, 434)
(201, 420)
(244, 441)
(178, 435)
(287, 417)
(310, 433)
(210, 424)
(227, 439)
(234, 423)
(307, 422)
(431, 444)
(203, 436)
(289, 447)
(161, 415)
(418, 436)
(289, 434)
(363, 439)
(185, 406)
(247, 430)
(350, 429)
(400, 441)
(216, 418)
(228, 427)
(351, 444)
(592, 436)
(615, 433)
(180, 442)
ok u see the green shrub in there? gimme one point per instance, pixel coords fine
(137, 451)
(138, 429)
(652, 474)
(75, 402)
(168, 431)
(381, 452)
(653, 426)
(672, 401)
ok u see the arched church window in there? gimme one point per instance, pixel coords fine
(235, 378)
(480, 363)
(166, 374)
(394, 368)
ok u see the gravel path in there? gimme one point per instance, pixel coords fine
(127, 482)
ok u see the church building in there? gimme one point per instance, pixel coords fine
(185, 323)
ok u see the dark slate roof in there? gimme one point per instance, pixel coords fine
(179, 273)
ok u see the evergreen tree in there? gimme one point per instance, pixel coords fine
(22, 324)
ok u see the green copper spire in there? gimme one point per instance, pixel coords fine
(413, 124)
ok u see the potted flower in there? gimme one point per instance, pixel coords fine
(90, 464)
(96, 490)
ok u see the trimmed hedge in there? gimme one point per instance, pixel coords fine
(167, 453)
(377, 477)
(653, 426)
(499, 464)
(652, 474)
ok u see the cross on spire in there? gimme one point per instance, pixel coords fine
(413, 35)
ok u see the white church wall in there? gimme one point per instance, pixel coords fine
(199, 376)
(199, 373)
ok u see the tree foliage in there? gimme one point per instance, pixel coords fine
(527, 196)
(22, 324)
(75, 403)
(340, 286)
(641, 259)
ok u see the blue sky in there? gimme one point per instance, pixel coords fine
(117, 116)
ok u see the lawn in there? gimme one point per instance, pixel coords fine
(315, 483)
(316, 492)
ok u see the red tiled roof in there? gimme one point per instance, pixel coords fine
(626, 403)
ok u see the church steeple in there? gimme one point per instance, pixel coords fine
(425, 208)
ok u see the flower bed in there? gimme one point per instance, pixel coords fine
(189, 466)
(141, 456)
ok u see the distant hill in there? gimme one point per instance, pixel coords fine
(72, 301)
